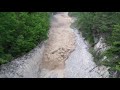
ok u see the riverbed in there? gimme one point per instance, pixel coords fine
(64, 55)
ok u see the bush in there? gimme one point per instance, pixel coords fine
(105, 24)
(114, 52)
(20, 32)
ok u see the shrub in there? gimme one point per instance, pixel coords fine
(105, 24)
(20, 32)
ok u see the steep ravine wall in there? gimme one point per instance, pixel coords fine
(100, 48)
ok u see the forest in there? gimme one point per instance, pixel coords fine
(105, 24)
(20, 32)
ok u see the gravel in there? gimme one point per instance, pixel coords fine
(80, 63)
(26, 66)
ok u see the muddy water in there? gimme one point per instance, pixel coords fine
(59, 46)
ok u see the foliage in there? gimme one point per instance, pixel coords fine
(20, 32)
(114, 52)
(105, 24)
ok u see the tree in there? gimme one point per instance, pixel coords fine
(20, 32)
